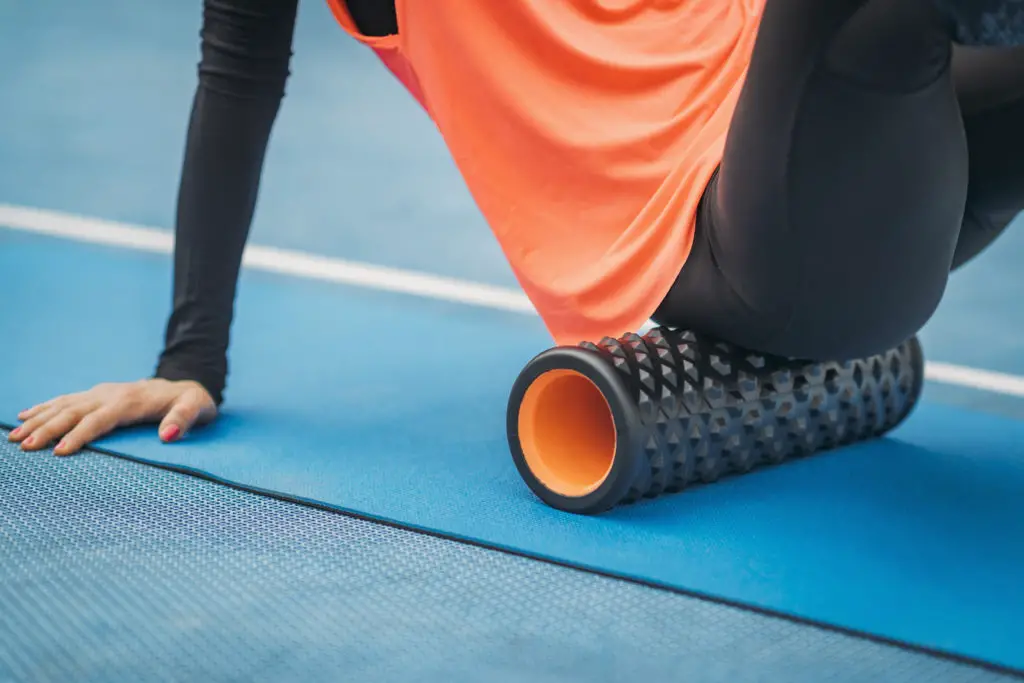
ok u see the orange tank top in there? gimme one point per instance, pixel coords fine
(585, 130)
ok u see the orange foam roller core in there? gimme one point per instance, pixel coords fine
(567, 432)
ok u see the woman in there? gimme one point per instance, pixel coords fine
(798, 177)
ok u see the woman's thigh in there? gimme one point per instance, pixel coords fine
(831, 225)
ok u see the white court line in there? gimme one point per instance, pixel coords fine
(985, 380)
(309, 266)
(287, 262)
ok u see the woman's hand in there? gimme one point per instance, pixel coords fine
(78, 419)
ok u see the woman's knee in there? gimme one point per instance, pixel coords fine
(247, 47)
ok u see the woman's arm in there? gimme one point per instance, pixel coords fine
(246, 50)
(245, 60)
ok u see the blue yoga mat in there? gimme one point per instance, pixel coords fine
(393, 407)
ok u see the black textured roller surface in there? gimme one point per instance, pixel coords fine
(681, 409)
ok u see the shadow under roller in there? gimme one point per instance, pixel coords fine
(596, 426)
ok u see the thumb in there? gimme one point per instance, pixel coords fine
(182, 416)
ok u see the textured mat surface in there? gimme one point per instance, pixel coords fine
(113, 571)
(394, 407)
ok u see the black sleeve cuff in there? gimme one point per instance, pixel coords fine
(176, 370)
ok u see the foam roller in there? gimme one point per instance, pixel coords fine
(596, 426)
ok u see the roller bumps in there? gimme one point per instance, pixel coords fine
(595, 426)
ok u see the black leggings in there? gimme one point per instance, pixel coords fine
(867, 159)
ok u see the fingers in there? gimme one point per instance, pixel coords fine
(91, 427)
(48, 426)
(32, 418)
(190, 408)
(47, 422)
(34, 410)
(24, 433)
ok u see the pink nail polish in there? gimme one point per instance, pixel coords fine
(16, 431)
(29, 441)
(60, 446)
(171, 433)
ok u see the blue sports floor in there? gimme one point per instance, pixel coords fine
(354, 515)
